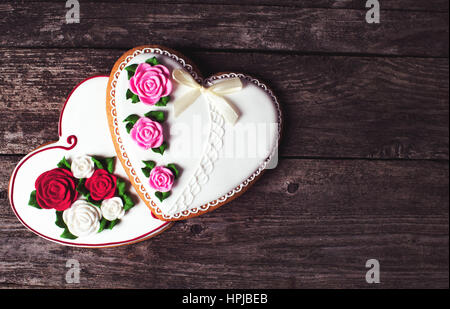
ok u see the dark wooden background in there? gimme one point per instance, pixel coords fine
(363, 169)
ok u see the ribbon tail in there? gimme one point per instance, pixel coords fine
(227, 109)
(185, 101)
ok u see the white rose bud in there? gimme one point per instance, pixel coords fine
(82, 218)
(82, 167)
(112, 208)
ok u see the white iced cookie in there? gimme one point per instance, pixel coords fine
(112, 208)
(82, 218)
(82, 167)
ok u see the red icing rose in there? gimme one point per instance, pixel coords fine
(101, 185)
(56, 189)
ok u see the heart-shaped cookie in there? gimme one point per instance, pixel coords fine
(188, 144)
(44, 180)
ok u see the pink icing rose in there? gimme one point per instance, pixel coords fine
(161, 178)
(151, 83)
(147, 133)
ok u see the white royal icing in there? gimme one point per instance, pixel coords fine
(112, 208)
(82, 218)
(82, 167)
(210, 155)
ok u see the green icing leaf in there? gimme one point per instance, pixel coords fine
(156, 116)
(113, 224)
(59, 220)
(131, 69)
(32, 201)
(104, 163)
(103, 225)
(60, 223)
(129, 126)
(146, 171)
(152, 61)
(81, 188)
(129, 94)
(127, 202)
(120, 186)
(67, 234)
(163, 101)
(150, 164)
(135, 99)
(90, 200)
(64, 164)
(98, 163)
(133, 118)
(110, 164)
(174, 169)
(160, 149)
(162, 195)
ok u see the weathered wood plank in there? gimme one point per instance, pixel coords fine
(306, 224)
(200, 26)
(406, 5)
(353, 107)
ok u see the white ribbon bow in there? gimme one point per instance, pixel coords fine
(213, 94)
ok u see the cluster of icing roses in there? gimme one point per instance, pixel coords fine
(150, 84)
(103, 199)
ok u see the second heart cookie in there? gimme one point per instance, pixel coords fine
(188, 144)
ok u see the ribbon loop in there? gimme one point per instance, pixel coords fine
(213, 94)
(185, 78)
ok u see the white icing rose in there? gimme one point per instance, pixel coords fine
(82, 167)
(112, 208)
(82, 218)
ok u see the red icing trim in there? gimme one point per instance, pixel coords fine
(72, 141)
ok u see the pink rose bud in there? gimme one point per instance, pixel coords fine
(147, 133)
(151, 83)
(161, 179)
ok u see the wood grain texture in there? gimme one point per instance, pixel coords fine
(306, 224)
(405, 5)
(364, 168)
(236, 27)
(351, 107)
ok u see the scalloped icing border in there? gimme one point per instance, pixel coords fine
(123, 156)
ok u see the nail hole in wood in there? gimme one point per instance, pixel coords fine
(292, 187)
(196, 229)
